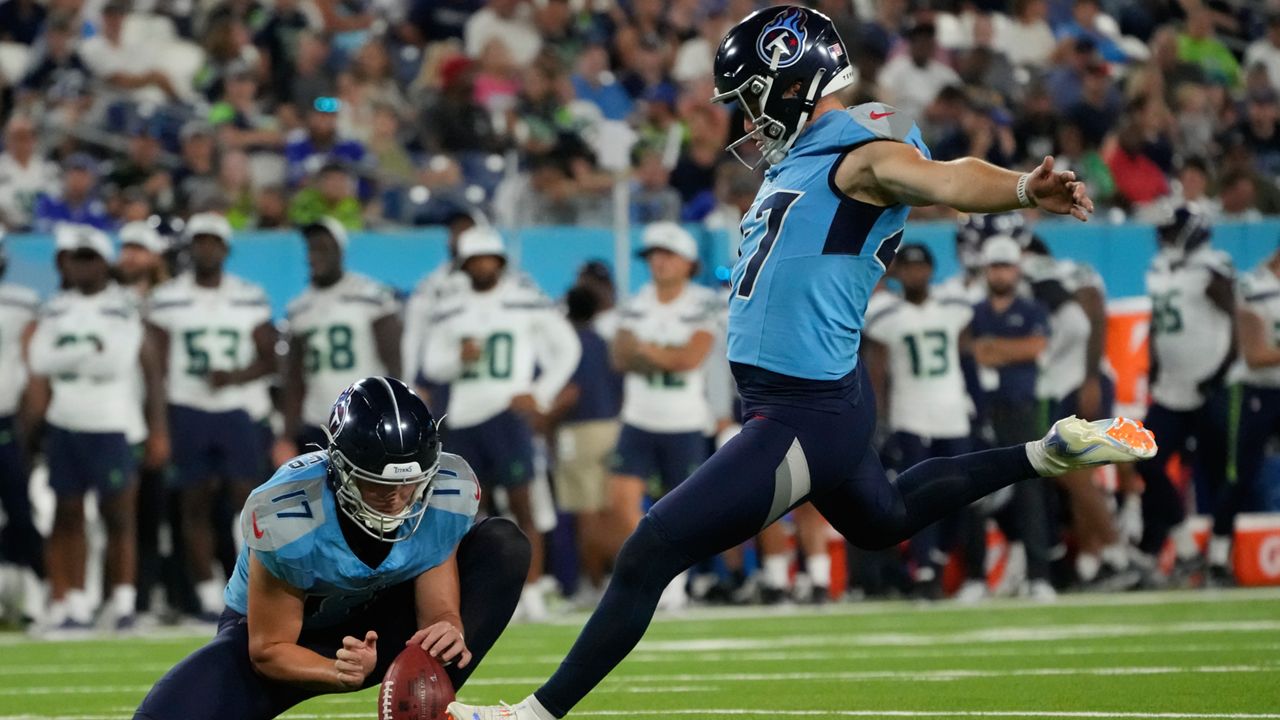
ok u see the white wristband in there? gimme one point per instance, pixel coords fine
(1024, 199)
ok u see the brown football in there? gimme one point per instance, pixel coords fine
(415, 688)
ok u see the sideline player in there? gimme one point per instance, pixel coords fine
(913, 360)
(351, 553)
(486, 341)
(342, 327)
(826, 222)
(663, 339)
(215, 330)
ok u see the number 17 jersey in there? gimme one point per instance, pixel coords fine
(812, 256)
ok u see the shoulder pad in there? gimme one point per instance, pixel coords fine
(456, 488)
(883, 121)
(287, 507)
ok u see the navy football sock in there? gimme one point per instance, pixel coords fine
(938, 487)
(645, 566)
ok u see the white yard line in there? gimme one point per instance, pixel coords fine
(744, 712)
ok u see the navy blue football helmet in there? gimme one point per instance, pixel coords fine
(776, 64)
(1184, 229)
(382, 434)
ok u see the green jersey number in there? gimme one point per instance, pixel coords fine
(665, 379)
(198, 352)
(496, 360)
(929, 356)
(1166, 318)
(341, 356)
(69, 339)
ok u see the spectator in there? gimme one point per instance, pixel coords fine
(454, 122)
(1260, 131)
(196, 181)
(21, 21)
(1066, 78)
(311, 78)
(395, 166)
(239, 117)
(652, 198)
(595, 83)
(332, 194)
(271, 208)
(1139, 180)
(24, 174)
(367, 85)
(1265, 51)
(1028, 39)
(1036, 126)
(1099, 105)
(233, 192)
(1089, 21)
(126, 71)
(1195, 119)
(78, 202)
(227, 50)
(319, 142)
(986, 68)
(1200, 46)
(56, 74)
(1193, 188)
(694, 172)
(1169, 65)
(911, 81)
(280, 41)
(507, 21)
(142, 167)
(435, 20)
(1238, 198)
(347, 22)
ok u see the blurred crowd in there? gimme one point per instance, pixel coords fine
(384, 112)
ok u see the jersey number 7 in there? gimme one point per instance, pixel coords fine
(773, 210)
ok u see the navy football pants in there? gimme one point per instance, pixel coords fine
(218, 682)
(787, 453)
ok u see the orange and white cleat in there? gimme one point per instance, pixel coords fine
(529, 709)
(1073, 443)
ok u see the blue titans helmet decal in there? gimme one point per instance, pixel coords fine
(788, 29)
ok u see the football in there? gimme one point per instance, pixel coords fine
(415, 688)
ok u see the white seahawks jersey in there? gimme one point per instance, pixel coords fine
(425, 301)
(211, 329)
(1258, 292)
(927, 395)
(88, 345)
(335, 326)
(668, 402)
(1063, 363)
(17, 310)
(1192, 335)
(519, 330)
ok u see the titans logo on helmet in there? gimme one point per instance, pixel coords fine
(338, 415)
(787, 28)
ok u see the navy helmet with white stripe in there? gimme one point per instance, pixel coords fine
(776, 64)
(382, 438)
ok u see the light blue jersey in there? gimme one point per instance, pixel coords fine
(290, 524)
(811, 256)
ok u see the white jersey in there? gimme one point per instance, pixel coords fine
(425, 301)
(927, 395)
(88, 345)
(519, 330)
(17, 310)
(1063, 363)
(335, 326)
(958, 287)
(1192, 335)
(211, 329)
(668, 402)
(1258, 292)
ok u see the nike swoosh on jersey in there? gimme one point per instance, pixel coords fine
(256, 532)
(879, 115)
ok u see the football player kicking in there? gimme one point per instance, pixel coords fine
(826, 221)
(352, 553)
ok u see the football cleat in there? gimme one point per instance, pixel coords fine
(520, 711)
(1073, 443)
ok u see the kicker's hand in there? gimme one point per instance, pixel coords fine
(1059, 192)
(356, 659)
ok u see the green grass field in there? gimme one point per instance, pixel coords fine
(1171, 655)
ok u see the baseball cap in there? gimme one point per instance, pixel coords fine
(1001, 250)
(140, 233)
(915, 253)
(81, 161)
(208, 223)
(480, 240)
(331, 226)
(71, 237)
(671, 237)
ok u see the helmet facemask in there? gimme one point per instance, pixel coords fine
(375, 523)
